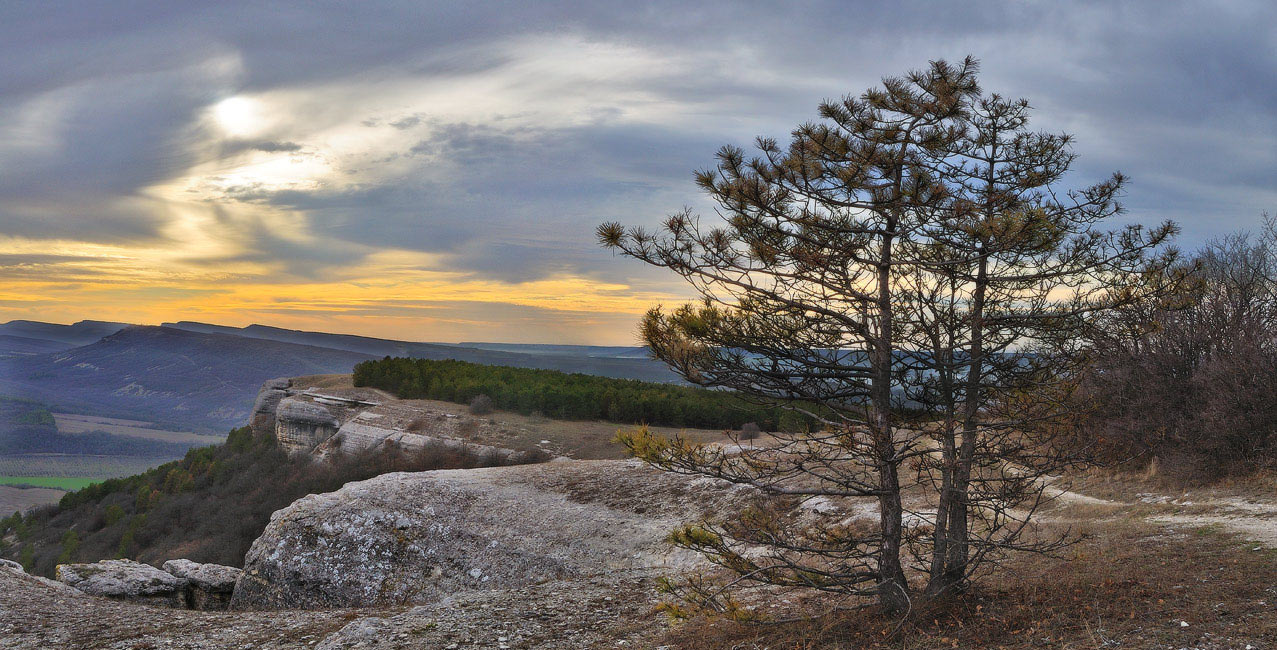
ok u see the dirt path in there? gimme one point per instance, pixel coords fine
(1251, 518)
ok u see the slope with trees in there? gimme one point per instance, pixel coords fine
(208, 507)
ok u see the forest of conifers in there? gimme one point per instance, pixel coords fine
(569, 396)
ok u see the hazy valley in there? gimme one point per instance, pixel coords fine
(97, 400)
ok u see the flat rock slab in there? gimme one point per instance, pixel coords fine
(419, 537)
(126, 580)
(214, 577)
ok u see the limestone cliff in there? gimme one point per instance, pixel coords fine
(316, 421)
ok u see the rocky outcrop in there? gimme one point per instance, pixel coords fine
(209, 586)
(182, 584)
(300, 425)
(367, 431)
(319, 422)
(262, 418)
(126, 580)
(414, 538)
(13, 568)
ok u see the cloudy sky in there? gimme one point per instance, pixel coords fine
(434, 171)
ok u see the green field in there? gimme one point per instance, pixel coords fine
(91, 467)
(58, 482)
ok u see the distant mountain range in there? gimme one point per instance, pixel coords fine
(204, 377)
(65, 336)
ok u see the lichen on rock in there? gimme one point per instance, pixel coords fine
(417, 537)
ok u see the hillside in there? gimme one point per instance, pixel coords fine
(208, 506)
(236, 485)
(25, 337)
(20, 345)
(76, 334)
(616, 362)
(201, 381)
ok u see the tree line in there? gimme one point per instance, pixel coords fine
(1187, 386)
(572, 396)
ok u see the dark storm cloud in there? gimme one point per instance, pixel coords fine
(100, 101)
(276, 146)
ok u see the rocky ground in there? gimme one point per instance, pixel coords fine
(35, 615)
(612, 611)
(610, 607)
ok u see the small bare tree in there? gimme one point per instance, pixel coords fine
(481, 405)
(897, 274)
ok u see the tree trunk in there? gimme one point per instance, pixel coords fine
(959, 509)
(893, 593)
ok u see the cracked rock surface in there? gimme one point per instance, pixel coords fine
(414, 538)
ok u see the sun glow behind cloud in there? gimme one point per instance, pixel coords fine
(343, 135)
(239, 116)
(339, 136)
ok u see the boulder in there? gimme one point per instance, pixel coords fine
(125, 580)
(15, 570)
(209, 585)
(418, 537)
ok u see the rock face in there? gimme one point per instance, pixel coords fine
(320, 422)
(209, 586)
(262, 418)
(126, 580)
(300, 425)
(414, 538)
(366, 431)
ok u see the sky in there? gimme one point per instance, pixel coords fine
(435, 171)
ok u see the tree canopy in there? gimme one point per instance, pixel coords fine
(911, 265)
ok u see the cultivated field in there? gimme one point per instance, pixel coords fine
(70, 423)
(13, 499)
(66, 483)
(63, 465)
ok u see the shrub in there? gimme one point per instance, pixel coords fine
(750, 431)
(481, 405)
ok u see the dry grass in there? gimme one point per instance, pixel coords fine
(1130, 586)
(583, 439)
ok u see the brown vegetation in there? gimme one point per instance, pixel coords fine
(1188, 386)
(1130, 586)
